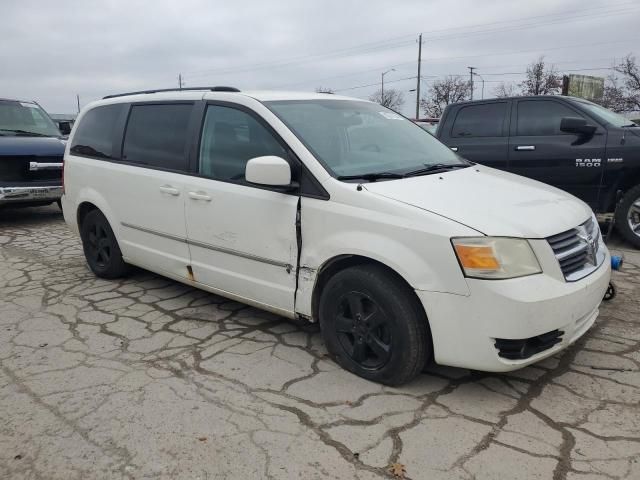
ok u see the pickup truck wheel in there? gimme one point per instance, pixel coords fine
(373, 325)
(628, 216)
(101, 247)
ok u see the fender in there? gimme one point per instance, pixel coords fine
(88, 195)
(379, 248)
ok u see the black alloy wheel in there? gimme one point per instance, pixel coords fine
(374, 325)
(100, 246)
(363, 330)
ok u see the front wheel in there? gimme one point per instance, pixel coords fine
(373, 325)
(628, 216)
(101, 247)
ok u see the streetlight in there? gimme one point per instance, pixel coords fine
(382, 88)
(478, 75)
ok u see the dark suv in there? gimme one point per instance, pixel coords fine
(31, 152)
(567, 142)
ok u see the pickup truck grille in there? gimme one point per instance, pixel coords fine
(18, 169)
(577, 250)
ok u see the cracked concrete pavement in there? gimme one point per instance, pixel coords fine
(147, 378)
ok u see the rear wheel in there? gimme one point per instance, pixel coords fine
(628, 216)
(373, 325)
(101, 247)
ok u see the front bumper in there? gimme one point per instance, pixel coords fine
(465, 328)
(30, 194)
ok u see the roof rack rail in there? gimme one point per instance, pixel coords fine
(140, 92)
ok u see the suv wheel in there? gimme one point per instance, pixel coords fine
(100, 247)
(373, 326)
(628, 216)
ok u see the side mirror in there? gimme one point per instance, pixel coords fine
(64, 127)
(577, 125)
(268, 170)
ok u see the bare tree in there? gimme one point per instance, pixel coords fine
(630, 72)
(541, 80)
(443, 92)
(324, 90)
(622, 88)
(506, 90)
(393, 99)
(614, 97)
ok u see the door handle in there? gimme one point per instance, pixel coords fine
(35, 166)
(526, 148)
(455, 149)
(170, 190)
(200, 196)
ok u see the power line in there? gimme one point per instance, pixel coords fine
(434, 79)
(373, 84)
(385, 44)
(543, 49)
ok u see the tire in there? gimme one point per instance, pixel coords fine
(59, 203)
(373, 325)
(100, 247)
(628, 216)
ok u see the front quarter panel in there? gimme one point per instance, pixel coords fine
(414, 243)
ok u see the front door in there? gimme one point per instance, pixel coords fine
(539, 150)
(480, 133)
(242, 237)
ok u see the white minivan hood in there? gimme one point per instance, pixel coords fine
(493, 202)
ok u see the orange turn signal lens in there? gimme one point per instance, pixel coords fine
(477, 257)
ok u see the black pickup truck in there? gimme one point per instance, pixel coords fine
(567, 142)
(31, 152)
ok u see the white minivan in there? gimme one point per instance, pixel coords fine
(340, 211)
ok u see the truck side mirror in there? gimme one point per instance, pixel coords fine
(577, 125)
(64, 127)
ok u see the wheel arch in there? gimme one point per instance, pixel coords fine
(341, 262)
(83, 209)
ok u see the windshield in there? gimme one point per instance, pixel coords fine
(25, 118)
(359, 138)
(604, 114)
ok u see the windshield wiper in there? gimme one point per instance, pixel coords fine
(23, 132)
(371, 177)
(435, 167)
(630, 125)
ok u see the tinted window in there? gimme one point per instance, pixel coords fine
(157, 136)
(94, 133)
(480, 120)
(542, 117)
(230, 138)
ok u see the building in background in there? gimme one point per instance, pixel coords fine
(583, 86)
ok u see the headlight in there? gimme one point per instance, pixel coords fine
(495, 257)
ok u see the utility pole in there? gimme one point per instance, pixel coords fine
(471, 69)
(418, 83)
(481, 78)
(78, 102)
(382, 86)
(180, 82)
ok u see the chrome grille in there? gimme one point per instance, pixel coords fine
(578, 250)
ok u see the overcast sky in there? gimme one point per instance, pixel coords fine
(52, 50)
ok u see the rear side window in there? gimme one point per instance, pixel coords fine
(483, 120)
(542, 117)
(94, 133)
(230, 138)
(156, 136)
